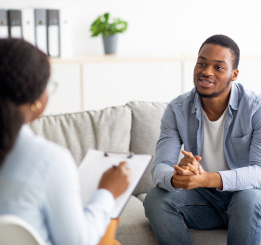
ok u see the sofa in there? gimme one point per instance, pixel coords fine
(133, 127)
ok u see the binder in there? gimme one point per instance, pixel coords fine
(15, 23)
(97, 162)
(28, 25)
(53, 32)
(3, 24)
(41, 29)
(65, 34)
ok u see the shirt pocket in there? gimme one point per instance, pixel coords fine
(241, 148)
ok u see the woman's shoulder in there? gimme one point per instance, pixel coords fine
(39, 144)
(37, 154)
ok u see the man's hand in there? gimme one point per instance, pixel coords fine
(181, 179)
(190, 163)
(206, 179)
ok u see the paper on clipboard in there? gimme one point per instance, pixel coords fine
(96, 163)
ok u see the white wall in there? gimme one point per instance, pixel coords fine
(167, 28)
(173, 27)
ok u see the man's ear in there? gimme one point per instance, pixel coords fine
(235, 74)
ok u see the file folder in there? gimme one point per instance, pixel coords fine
(3, 24)
(41, 29)
(53, 33)
(65, 34)
(28, 25)
(15, 23)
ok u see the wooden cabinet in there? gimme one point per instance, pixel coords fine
(116, 83)
(92, 83)
(249, 73)
(67, 96)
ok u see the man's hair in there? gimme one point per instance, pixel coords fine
(226, 42)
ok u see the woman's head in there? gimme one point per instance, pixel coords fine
(24, 73)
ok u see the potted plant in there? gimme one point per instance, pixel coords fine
(108, 27)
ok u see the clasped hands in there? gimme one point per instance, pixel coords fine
(189, 174)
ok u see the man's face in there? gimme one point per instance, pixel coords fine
(214, 72)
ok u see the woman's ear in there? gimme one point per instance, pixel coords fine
(35, 109)
(38, 107)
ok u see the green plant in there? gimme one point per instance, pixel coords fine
(106, 26)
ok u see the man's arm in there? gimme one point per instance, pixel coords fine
(246, 177)
(167, 151)
(240, 178)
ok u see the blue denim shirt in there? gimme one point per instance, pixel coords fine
(182, 123)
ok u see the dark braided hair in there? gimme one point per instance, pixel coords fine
(24, 73)
(226, 42)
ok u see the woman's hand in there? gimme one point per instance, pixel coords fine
(116, 179)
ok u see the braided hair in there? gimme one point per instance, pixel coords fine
(24, 73)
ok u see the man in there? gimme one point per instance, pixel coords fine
(217, 184)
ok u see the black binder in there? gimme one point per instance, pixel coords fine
(53, 32)
(15, 23)
(40, 29)
(3, 24)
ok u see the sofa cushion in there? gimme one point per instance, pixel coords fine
(206, 237)
(146, 119)
(134, 227)
(107, 130)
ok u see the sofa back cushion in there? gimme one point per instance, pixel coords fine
(107, 130)
(145, 131)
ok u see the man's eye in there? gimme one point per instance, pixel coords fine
(219, 68)
(200, 64)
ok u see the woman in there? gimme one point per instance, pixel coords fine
(38, 179)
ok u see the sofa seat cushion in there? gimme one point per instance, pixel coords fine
(207, 237)
(134, 227)
(107, 130)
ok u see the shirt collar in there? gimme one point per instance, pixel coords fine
(233, 99)
(197, 101)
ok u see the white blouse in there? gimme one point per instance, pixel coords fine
(39, 183)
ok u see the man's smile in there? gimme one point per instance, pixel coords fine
(205, 82)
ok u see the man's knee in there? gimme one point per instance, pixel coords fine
(245, 202)
(154, 197)
(156, 201)
(244, 215)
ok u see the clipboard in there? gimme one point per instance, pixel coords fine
(95, 163)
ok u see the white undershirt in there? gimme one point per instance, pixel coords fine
(213, 157)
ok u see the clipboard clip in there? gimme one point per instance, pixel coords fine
(106, 154)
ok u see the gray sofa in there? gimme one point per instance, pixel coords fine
(133, 127)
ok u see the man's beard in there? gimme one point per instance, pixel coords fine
(215, 94)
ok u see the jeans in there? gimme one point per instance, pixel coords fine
(171, 214)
